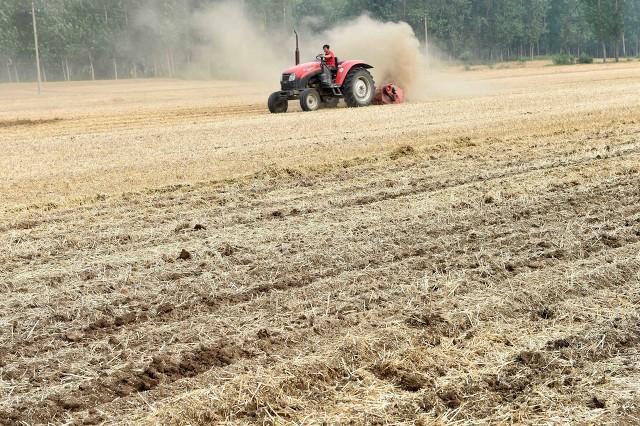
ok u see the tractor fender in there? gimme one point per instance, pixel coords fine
(346, 66)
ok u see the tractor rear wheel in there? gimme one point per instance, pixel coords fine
(310, 100)
(277, 104)
(359, 88)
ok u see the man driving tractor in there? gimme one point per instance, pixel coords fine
(329, 65)
(325, 81)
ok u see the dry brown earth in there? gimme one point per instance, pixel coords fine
(173, 254)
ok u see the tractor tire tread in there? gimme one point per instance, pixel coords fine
(276, 104)
(349, 97)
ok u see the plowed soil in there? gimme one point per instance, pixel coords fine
(173, 254)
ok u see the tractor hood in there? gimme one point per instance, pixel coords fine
(310, 68)
(303, 70)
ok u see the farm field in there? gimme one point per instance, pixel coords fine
(171, 253)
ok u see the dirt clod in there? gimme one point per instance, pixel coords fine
(263, 333)
(532, 359)
(546, 313)
(402, 151)
(93, 419)
(125, 319)
(596, 402)
(88, 275)
(70, 403)
(226, 249)
(412, 382)
(184, 255)
(99, 323)
(450, 398)
(165, 308)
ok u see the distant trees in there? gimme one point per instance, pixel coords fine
(87, 39)
(9, 45)
(631, 28)
(606, 18)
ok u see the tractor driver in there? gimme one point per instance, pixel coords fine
(329, 66)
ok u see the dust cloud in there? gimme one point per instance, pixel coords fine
(398, 57)
(233, 46)
(391, 47)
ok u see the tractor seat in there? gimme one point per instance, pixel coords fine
(334, 71)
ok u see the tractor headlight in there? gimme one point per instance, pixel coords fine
(292, 77)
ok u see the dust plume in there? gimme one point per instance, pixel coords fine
(234, 46)
(391, 47)
(398, 57)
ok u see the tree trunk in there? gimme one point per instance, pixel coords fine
(44, 73)
(66, 66)
(9, 71)
(624, 47)
(115, 68)
(91, 68)
(15, 71)
(617, 51)
(135, 70)
(531, 47)
(171, 64)
(604, 52)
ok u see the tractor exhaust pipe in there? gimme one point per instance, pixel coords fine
(297, 48)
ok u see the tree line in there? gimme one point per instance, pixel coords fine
(89, 39)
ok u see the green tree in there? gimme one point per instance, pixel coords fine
(632, 26)
(606, 18)
(535, 23)
(9, 43)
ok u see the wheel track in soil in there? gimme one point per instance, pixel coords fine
(244, 297)
(384, 197)
(449, 328)
(90, 124)
(548, 131)
(547, 258)
(552, 155)
(164, 370)
(633, 148)
(267, 288)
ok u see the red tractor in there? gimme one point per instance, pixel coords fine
(350, 81)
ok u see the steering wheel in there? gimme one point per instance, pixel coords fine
(320, 57)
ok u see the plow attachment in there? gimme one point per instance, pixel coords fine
(389, 94)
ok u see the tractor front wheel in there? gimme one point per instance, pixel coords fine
(359, 88)
(310, 100)
(277, 104)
